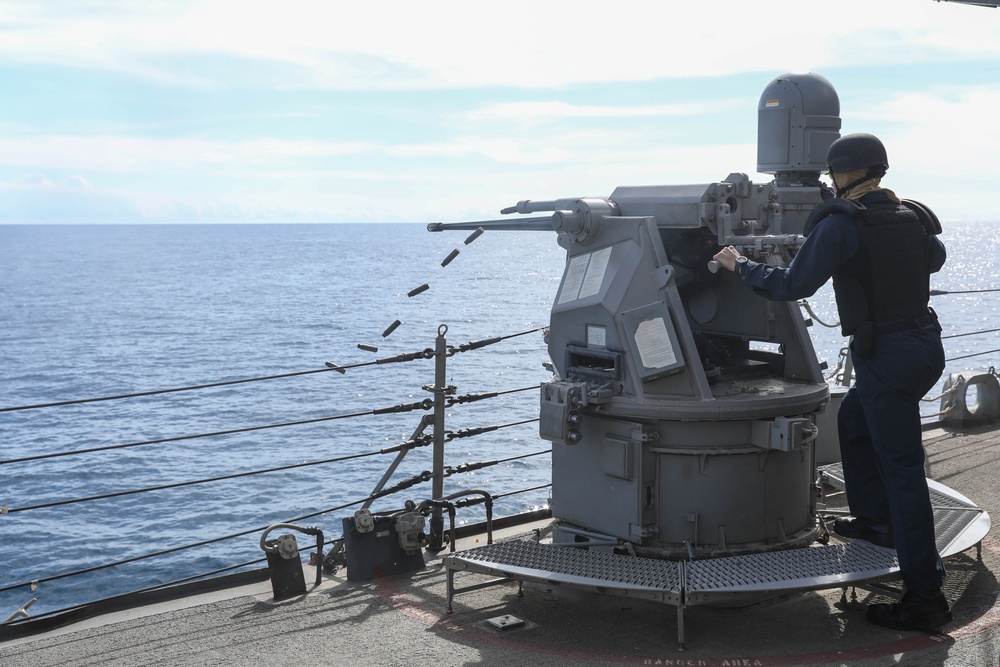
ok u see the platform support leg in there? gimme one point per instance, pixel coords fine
(450, 587)
(680, 627)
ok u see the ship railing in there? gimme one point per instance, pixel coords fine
(13, 594)
(957, 405)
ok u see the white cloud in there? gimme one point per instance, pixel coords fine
(467, 156)
(540, 112)
(32, 180)
(497, 150)
(950, 132)
(123, 153)
(78, 182)
(399, 44)
(36, 198)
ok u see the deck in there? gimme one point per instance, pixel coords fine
(403, 620)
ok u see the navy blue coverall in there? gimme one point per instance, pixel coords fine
(879, 419)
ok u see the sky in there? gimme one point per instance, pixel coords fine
(333, 111)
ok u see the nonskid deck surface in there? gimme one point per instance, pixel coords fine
(402, 620)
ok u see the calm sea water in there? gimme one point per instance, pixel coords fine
(90, 311)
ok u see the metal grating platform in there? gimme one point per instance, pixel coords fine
(833, 473)
(959, 525)
(810, 568)
(603, 572)
(958, 522)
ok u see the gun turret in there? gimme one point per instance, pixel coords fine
(676, 385)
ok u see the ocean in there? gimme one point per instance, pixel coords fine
(108, 310)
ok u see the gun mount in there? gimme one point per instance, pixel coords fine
(682, 411)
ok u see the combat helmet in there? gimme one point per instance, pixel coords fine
(857, 151)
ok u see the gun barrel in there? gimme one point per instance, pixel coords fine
(541, 224)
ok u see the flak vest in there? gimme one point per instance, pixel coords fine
(888, 279)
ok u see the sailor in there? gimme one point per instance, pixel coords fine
(880, 253)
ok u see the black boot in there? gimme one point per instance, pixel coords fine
(917, 610)
(870, 530)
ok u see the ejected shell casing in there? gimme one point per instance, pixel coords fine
(417, 290)
(392, 327)
(474, 235)
(447, 260)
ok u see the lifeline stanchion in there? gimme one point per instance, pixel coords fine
(441, 392)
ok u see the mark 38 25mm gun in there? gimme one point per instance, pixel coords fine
(682, 413)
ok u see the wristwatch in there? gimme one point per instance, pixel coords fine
(740, 263)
